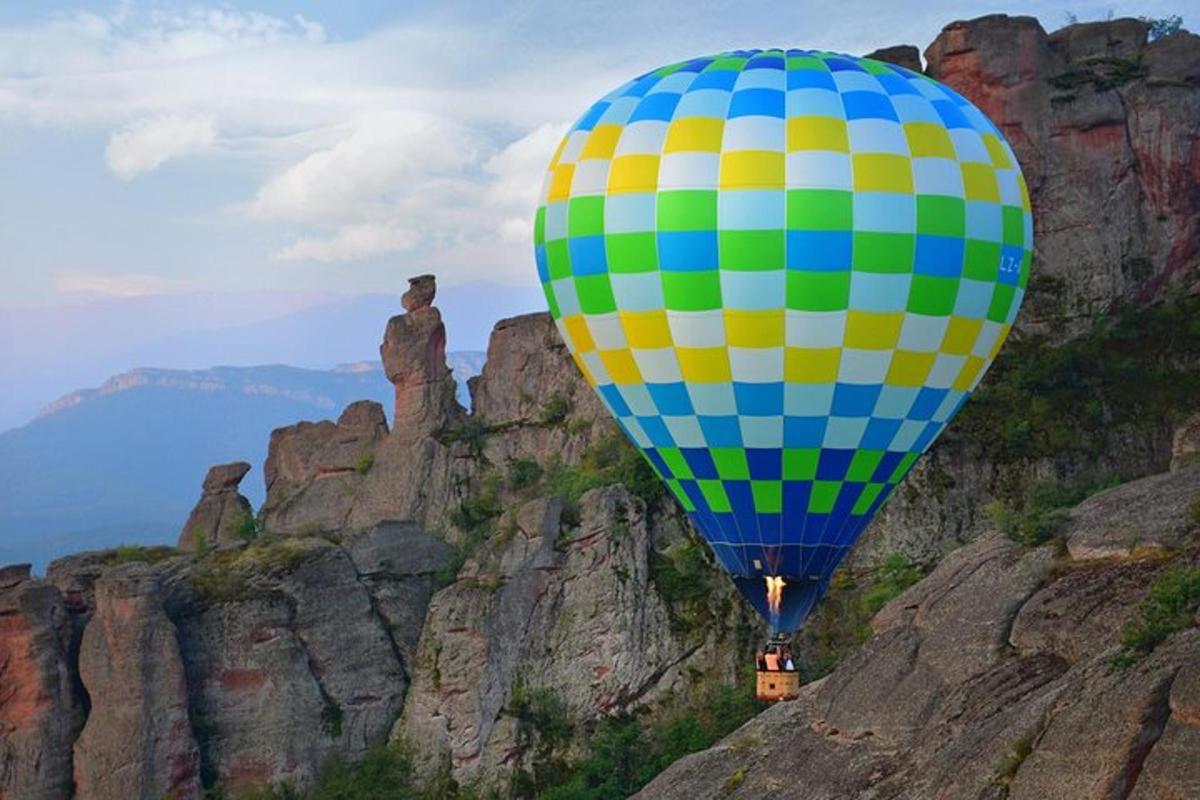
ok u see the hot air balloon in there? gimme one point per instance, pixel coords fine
(783, 271)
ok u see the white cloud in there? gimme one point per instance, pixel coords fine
(147, 144)
(352, 242)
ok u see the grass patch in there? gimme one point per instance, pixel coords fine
(1102, 73)
(1193, 511)
(1045, 509)
(610, 460)
(137, 554)
(1128, 375)
(523, 473)
(364, 463)
(1014, 757)
(1170, 606)
(555, 410)
(472, 431)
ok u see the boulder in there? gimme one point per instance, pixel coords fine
(137, 743)
(1153, 513)
(902, 55)
(222, 514)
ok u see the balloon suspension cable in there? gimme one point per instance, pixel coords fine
(775, 586)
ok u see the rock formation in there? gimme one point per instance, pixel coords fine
(993, 677)
(222, 515)
(39, 714)
(138, 740)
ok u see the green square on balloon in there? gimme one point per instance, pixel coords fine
(939, 215)
(539, 226)
(884, 252)
(675, 462)
(595, 294)
(751, 250)
(714, 494)
(800, 465)
(1002, 299)
(1014, 226)
(585, 216)
(818, 291)
(1026, 262)
(687, 210)
(820, 210)
(824, 495)
(692, 291)
(682, 496)
(903, 467)
(863, 504)
(631, 252)
(768, 496)
(932, 296)
(558, 259)
(730, 462)
(982, 260)
(863, 464)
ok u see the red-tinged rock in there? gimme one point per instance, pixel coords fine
(39, 715)
(138, 740)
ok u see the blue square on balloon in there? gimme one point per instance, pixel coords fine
(687, 251)
(926, 437)
(612, 396)
(842, 65)
(587, 255)
(868, 105)
(832, 465)
(1010, 265)
(657, 106)
(757, 103)
(927, 403)
(539, 255)
(820, 251)
(695, 65)
(660, 465)
(765, 463)
(894, 84)
(721, 431)
(765, 62)
(656, 430)
(939, 255)
(804, 432)
(592, 116)
(887, 465)
(692, 490)
(810, 79)
(879, 434)
(795, 499)
(854, 400)
(701, 463)
(723, 79)
(759, 399)
(639, 87)
(952, 116)
(846, 499)
(671, 399)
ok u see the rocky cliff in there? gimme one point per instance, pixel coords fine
(507, 597)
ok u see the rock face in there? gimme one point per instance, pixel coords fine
(991, 678)
(902, 55)
(38, 710)
(1147, 514)
(567, 607)
(1104, 124)
(222, 513)
(1185, 448)
(137, 742)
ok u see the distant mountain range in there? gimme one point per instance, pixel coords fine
(47, 352)
(123, 462)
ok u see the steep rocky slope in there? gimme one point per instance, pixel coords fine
(493, 588)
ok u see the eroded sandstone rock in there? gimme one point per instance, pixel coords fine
(222, 513)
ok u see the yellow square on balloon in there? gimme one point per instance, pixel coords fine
(873, 330)
(704, 364)
(621, 366)
(996, 151)
(633, 173)
(695, 134)
(817, 133)
(909, 368)
(811, 364)
(559, 151)
(560, 182)
(754, 328)
(979, 181)
(646, 330)
(928, 140)
(882, 172)
(961, 334)
(581, 335)
(968, 373)
(752, 169)
(602, 142)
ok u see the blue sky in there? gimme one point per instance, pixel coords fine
(152, 147)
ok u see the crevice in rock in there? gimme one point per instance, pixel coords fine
(1154, 721)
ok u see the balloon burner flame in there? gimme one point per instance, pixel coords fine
(775, 594)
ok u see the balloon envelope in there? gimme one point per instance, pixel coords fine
(783, 272)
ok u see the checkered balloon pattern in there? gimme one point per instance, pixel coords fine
(783, 272)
